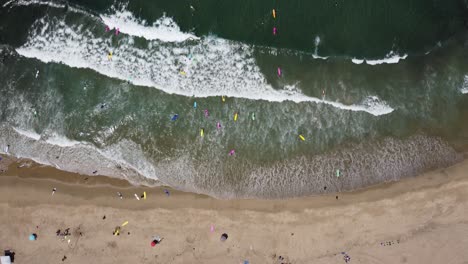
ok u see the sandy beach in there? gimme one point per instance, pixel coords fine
(416, 220)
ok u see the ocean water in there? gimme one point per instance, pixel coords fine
(378, 90)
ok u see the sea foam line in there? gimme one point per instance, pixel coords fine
(47, 3)
(164, 29)
(390, 58)
(210, 67)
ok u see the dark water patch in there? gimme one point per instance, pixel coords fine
(364, 29)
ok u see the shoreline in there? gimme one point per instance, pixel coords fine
(415, 220)
(28, 171)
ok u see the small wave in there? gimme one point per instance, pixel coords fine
(124, 159)
(46, 3)
(357, 61)
(390, 58)
(54, 139)
(164, 29)
(29, 134)
(32, 2)
(315, 56)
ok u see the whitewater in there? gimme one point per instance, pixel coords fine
(172, 61)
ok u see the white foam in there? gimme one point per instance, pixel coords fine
(357, 61)
(164, 29)
(315, 56)
(29, 134)
(212, 66)
(390, 58)
(55, 139)
(61, 141)
(47, 3)
(464, 88)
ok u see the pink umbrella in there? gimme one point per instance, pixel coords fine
(279, 72)
(117, 31)
(232, 152)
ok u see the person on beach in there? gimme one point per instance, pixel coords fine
(224, 237)
(156, 240)
(120, 195)
(54, 190)
(116, 231)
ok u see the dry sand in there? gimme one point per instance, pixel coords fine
(418, 220)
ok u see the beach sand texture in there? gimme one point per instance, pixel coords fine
(417, 220)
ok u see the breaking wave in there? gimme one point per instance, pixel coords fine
(205, 67)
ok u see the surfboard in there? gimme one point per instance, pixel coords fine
(302, 137)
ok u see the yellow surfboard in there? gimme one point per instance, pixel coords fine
(223, 98)
(235, 116)
(302, 137)
(144, 195)
(125, 223)
(109, 56)
(202, 132)
(274, 13)
(183, 73)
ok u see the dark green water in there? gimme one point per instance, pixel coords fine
(66, 104)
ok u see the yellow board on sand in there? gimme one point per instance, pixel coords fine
(144, 195)
(302, 137)
(202, 132)
(235, 116)
(274, 13)
(125, 223)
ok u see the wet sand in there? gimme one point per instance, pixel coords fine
(416, 220)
